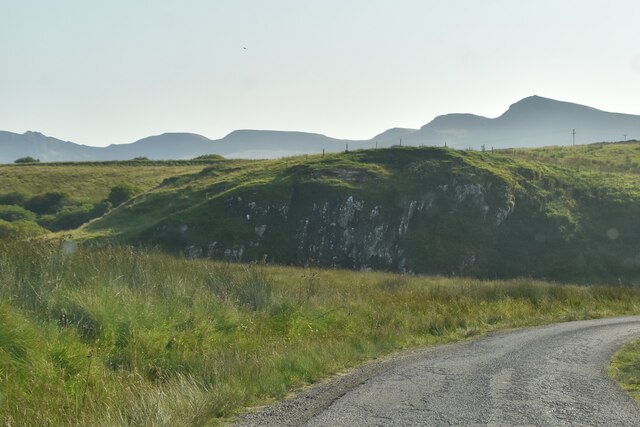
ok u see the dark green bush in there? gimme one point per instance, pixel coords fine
(69, 219)
(14, 198)
(27, 159)
(13, 213)
(121, 193)
(48, 203)
(209, 157)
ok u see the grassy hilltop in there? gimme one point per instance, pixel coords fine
(421, 210)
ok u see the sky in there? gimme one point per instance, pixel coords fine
(99, 73)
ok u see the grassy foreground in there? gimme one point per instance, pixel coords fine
(625, 368)
(120, 336)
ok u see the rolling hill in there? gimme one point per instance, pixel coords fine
(45, 148)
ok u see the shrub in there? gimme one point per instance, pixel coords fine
(47, 203)
(13, 213)
(74, 218)
(121, 193)
(27, 159)
(14, 198)
(100, 208)
(209, 157)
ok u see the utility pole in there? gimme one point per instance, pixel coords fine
(400, 142)
(376, 145)
(625, 136)
(346, 150)
(574, 136)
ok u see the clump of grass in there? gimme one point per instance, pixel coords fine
(625, 368)
(255, 289)
(252, 288)
(117, 335)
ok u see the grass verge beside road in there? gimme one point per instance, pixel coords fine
(625, 368)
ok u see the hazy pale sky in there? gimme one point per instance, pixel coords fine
(115, 71)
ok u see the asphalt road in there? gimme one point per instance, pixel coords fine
(554, 375)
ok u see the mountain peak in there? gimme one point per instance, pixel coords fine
(534, 101)
(539, 105)
(536, 98)
(394, 133)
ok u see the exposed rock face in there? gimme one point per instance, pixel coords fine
(353, 231)
(346, 233)
(356, 233)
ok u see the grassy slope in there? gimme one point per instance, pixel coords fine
(625, 368)
(89, 182)
(563, 221)
(117, 336)
(85, 187)
(621, 157)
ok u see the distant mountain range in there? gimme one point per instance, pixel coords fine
(531, 122)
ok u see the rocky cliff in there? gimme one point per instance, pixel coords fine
(411, 210)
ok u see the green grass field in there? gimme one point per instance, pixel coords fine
(90, 182)
(620, 157)
(66, 195)
(122, 336)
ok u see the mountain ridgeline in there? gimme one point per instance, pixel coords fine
(414, 210)
(532, 122)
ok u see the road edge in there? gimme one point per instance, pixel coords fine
(303, 404)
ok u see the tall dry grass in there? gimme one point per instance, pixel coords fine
(122, 336)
